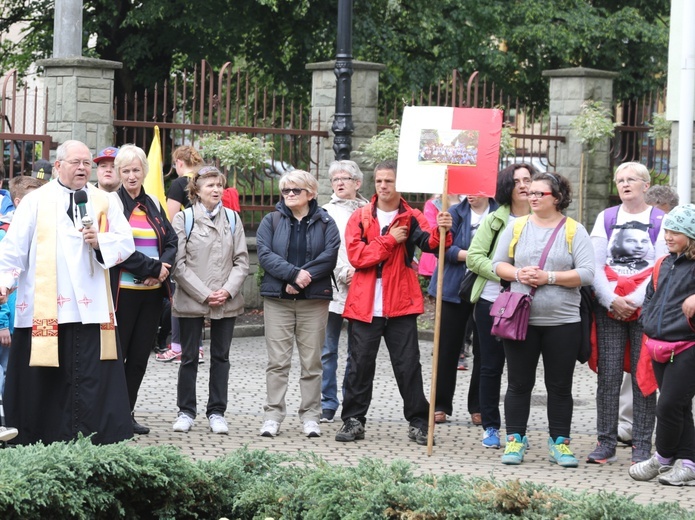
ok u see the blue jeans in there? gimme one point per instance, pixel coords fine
(329, 361)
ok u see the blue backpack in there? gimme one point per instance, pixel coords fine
(189, 220)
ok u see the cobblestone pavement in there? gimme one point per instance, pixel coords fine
(458, 448)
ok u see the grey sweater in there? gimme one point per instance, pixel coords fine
(552, 304)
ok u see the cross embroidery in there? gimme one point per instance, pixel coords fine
(110, 325)
(85, 301)
(46, 327)
(62, 299)
(22, 306)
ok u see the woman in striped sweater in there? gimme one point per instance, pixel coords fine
(143, 279)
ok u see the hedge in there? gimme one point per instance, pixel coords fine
(78, 480)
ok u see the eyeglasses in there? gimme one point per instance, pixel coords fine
(344, 180)
(538, 194)
(293, 191)
(628, 180)
(75, 163)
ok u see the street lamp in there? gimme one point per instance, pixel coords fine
(342, 120)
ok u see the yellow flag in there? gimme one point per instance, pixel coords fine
(154, 182)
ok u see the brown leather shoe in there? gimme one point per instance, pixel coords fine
(439, 417)
(476, 419)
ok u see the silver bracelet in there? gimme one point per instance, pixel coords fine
(551, 277)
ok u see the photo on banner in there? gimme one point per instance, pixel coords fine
(466, 141)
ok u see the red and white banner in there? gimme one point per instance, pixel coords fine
(466, 141)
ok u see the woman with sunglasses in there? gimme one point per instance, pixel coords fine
(554, 331)
(211, 265)
(298, 249)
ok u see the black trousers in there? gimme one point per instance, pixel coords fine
(138, 317)
(675, 433)
(491, 362)
(221, 333)
(400, 335)
(454, 321)
(559, 347)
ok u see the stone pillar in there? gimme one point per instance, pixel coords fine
(80, 100)
(365, 95)
(569, 88)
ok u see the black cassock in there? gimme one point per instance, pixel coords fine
(83, 395)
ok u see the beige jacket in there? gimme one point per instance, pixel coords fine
(208, 260)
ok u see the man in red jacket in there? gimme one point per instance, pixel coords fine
(384, 300)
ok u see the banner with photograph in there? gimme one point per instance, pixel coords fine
(466, 141)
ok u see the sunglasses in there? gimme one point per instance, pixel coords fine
(293, 191)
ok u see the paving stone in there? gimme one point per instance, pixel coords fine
(458, 448)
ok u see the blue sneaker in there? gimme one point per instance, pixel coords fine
(515, 449)
(560, 452)
(491, 438)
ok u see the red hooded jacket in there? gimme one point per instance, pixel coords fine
(367, 249)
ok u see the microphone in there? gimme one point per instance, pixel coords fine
(80, 199)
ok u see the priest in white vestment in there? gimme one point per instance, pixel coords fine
(65, 374)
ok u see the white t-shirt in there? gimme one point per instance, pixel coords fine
(385, 218)
(628, 252)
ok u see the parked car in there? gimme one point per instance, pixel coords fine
(277, 168)
(539, 163)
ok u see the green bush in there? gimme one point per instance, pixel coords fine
(83, 481)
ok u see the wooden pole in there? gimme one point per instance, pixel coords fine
(437, 316)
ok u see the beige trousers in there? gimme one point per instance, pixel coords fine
(287, 321)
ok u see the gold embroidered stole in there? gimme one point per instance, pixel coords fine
(44, 335)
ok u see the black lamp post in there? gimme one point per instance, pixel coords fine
(342, 121)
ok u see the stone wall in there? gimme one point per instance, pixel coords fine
(365, 95)
(569, 88)
(81, 93)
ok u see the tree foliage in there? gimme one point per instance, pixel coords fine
(510, 42)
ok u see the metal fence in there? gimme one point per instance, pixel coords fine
(224, 102)
(632, 141)
(23, 115)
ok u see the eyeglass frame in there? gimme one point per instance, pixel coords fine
(344, 180)
(538, 194)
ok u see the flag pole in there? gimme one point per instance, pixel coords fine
(437, 316)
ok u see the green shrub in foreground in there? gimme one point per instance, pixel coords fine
(80, 480)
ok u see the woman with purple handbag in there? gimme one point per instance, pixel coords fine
(547, 257)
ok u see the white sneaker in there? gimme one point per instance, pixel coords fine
(218, 424)
(183, 423)
(7, 434)
(270, 428)
(311, 429)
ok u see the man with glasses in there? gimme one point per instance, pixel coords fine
(384, 300)
(65, 373)
(346, 180)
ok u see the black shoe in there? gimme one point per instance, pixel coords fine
(139, 429)
(327, 416)
(418, 435)
(351, 430)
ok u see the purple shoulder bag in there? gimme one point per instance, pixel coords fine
(511, 311)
